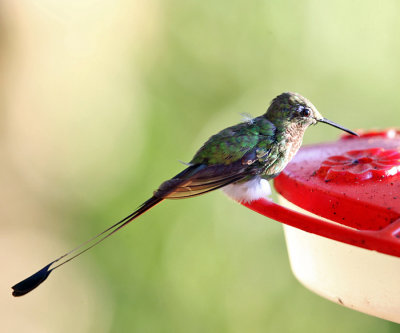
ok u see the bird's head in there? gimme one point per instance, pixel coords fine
(291, 108)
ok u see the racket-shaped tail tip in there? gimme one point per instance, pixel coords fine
(32, 282)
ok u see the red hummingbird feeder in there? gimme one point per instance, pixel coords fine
(341, 210)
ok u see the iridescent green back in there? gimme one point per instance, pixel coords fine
(232, 143)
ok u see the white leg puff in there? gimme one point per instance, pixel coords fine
(248, 191)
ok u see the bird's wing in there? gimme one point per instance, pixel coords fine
(234, 154)
(200, 179)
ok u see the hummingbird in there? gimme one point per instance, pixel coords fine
(239, 159)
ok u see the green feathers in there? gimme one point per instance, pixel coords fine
(232, 143)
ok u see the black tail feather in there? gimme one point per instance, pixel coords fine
(33, 281)
(194, 180)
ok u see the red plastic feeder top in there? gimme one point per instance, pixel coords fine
(354, 182)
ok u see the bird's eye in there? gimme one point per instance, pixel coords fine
(306, 112)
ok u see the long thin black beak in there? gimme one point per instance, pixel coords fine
(326, 121)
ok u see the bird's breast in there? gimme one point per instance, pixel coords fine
(284, 152)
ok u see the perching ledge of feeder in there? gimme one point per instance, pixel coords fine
(341, 210)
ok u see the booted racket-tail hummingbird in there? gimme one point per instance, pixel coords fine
(239, 159)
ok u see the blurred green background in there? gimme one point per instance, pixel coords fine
(101, 98)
